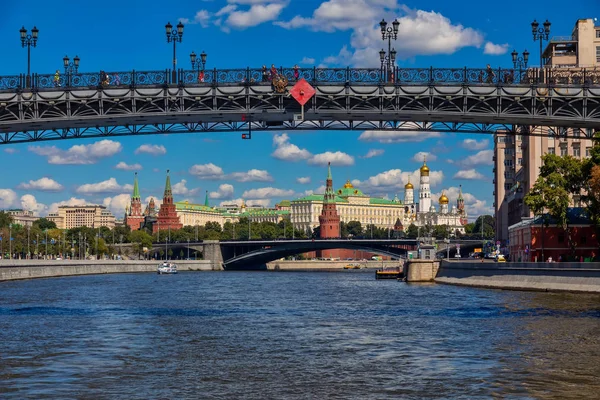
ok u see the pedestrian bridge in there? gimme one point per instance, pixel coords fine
(38, 108)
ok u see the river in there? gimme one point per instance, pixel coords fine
(286, 335)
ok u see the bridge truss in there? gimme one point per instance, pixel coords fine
(457, 100)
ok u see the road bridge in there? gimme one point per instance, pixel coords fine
(421, 99)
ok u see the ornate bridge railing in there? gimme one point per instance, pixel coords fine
(317, 76)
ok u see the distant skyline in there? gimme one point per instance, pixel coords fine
(117, 36)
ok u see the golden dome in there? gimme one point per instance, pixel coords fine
(409, 185)
(348, 185)
(424, 170)
(443, 199)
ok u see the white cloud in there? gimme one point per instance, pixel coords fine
(397, 136)
(108, 186)
(422, 155)
(373, 153)
(7, 198)
(308, 61)
(11, 150)
(394, 180)
(29, 203)
(303, 180)
(472, 144)
(128, 167)
(337, 158)
(78, 154)
(180, 189)
(153, 149)
(207, 171)
(225, 192)
(117, 204)
(470, 174)
(267, 192)
(42, 184)
(202, 18)
(495, 49)
(73, 201)
(255, 202)
(420, 32)
(256, 15)
(286, 151)
(484, 157)
(253, 175)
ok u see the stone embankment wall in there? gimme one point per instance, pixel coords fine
(316, 265)
(569, 277)
(29, 269)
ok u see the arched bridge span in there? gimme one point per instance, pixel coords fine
(428, 99)
(242, 255)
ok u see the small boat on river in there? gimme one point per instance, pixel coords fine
(167, 268)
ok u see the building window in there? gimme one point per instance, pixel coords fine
(507, 186)
(501, 139)
(597, 53)
(576, 152)
(597, 33)
(587, 151)
(508, 163)
(576, 132)
(551, 150)
(520, 161)
(563, 151)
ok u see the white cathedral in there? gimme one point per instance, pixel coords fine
(425, 213)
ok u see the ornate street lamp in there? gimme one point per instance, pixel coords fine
(520, 62)
(388, 33)
(29, 40)
(71, 67)
(540, 34)
(174, 35)
(198, 65)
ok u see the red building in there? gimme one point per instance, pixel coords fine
(533, 240)
(329, 220)
(133, 216)
(167, 215)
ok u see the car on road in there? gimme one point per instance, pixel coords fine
(500, 258)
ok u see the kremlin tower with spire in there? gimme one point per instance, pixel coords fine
(133, 216)
(167, 215)
(329, 219)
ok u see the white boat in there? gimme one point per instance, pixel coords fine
(167, 268)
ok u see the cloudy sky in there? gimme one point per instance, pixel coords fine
(115, 36)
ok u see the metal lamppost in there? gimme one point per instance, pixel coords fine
(10, 241)
(71, 67)
(520, 62)
(388, 33)
(371, 228)
(197, 64)
(28, 229)
(29, 40)
(540, 34)
(174, 35)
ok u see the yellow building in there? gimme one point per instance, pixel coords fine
(91, 216)
(351, 205)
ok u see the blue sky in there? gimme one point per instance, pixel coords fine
(113, 35)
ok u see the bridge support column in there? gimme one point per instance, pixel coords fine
(212, 252)
(421, 270)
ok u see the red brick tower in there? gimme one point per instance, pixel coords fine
(134, 218)
(167, 215)
(329, 219)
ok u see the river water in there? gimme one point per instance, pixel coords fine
(266, 335)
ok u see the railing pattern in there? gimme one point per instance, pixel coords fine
(317, 76)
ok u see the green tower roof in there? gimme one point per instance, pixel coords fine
(168, 192)
(206, 200)
(136, 189)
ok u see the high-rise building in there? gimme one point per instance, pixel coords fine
(167, 215)
(517, 158)
(91, 216)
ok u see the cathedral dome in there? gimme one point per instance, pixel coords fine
(424, 170)
(443, 199)
(409, 186)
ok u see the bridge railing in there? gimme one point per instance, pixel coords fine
(316, 76)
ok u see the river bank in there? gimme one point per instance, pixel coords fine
(547, 277)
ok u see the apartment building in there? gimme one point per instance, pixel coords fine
(92, 216)
(517, 158)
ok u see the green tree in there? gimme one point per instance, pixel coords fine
(489, 226)
(5, 219)
(140, 239)
(354, 229)
(44, 223)
(412, 231)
